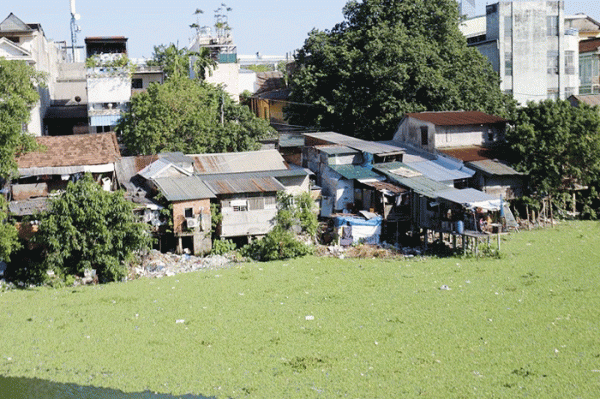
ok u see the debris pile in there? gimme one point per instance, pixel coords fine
(157, 264)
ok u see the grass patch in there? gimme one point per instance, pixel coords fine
(523, 325)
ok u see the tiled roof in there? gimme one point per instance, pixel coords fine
(586, 46)
(74, 150)
(456, 118)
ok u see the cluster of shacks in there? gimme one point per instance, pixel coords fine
(438, 173)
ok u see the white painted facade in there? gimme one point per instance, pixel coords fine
(528, 45)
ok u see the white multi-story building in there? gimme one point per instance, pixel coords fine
(527, 44)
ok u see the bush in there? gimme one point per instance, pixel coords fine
(222, 246)
(277, 244)
(89, 228)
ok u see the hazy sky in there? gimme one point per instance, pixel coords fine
(272, 27)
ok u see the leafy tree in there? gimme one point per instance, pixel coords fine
(176, 62)
(17, 96)
(556, 144)
(385, 59)
(189, 116)
(9, 241)
(89, 228)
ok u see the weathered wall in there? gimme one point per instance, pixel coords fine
(201, 209)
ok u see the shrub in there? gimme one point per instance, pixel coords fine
(277, 244)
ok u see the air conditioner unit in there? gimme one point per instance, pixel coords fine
(191, 223)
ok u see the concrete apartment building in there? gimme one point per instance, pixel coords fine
(528, 45)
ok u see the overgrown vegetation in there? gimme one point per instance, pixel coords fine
(385, 59)
(526, 325)
(89, 228)
(295, 215)
(189, 116)
(558, 146)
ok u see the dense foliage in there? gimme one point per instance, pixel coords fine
(9, 241)
(176, 62)
(387, 58)
(189, 116)
(17, 96)
(89, 228)
(294, 215)
(557, 144)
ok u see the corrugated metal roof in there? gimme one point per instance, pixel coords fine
(370, 147)
(337, 150)
(237, 184)
(456, 118)
(159, 166)
(238, 162)
(493, 167)
(439, 171)
(466, 196)
(351, 172)
(420, 184)
(183, 188)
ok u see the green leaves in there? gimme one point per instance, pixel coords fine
(388, 58)
(17, 96)
(185, 115)
(557, 144)
(89, 228)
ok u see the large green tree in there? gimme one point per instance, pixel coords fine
(17, 96)
(189, 116)
(556, 144)
(389, 57)
(89, 228)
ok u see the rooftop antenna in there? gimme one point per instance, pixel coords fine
(74, 28)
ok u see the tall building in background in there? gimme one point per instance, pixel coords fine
(527, 44)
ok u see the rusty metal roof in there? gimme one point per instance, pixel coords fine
(469, 154)
(589, 99)
(456, 118)
(586, 46)
(238, 162)
(385, 186)
(240, 183)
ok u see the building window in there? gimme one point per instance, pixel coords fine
(552, 26)
(189, 212)
(508, 63)
(507, 27)
(490, 135)
(424, 136)
(552, 62)
(240, 205)
(137, 83)
(570, 62)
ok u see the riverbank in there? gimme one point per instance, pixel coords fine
(523, 325)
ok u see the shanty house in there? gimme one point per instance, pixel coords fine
(63, 159)
(191, 211)
(434, 130)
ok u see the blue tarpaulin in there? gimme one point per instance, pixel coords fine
(356, 221)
